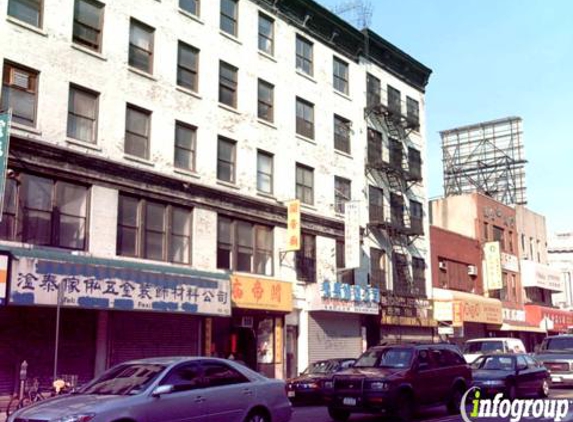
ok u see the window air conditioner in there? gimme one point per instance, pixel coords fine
(472, 270)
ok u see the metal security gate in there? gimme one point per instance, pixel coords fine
(137, 335)
(333, 335)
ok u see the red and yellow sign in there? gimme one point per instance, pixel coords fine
(4, 264)
(261, 293)
(278, 340)
(293, 225)
(460, 307)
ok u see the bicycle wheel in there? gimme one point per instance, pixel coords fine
(17, 404)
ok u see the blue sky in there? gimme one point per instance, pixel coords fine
(493, 59)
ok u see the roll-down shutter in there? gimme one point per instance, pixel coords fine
(333, 335)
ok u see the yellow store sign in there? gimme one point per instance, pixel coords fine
(260, 293)
(492, 256)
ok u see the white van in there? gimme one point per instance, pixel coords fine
(481, 346)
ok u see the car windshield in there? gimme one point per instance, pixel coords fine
(486, 346)
(495, 363)
(559, 343)
(385, 358)
(124, 379)
(322, 367)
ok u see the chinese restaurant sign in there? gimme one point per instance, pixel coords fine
(342, 297)
(4, 148)
(293, 225)
(352, 234)
(492, 265)
(37, 281)
(261, 293)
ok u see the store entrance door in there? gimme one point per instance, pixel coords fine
(244, 346)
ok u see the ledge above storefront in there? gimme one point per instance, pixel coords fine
(459, 307)
(44, 277)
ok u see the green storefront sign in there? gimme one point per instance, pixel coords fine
(4, 147)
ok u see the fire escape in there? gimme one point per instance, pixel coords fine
(395, 166)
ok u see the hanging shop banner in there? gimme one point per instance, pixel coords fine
(37, 282)
(4, 265)
(4, 149)
(261, 293)
(492, 265)
(293, 225)
(352, 234)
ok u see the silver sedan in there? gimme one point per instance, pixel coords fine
(169, 390)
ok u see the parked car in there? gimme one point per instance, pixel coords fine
(169, 390)
(480, 346)
(309, 386)
(514, 375)
(397, 379)
(556, 354)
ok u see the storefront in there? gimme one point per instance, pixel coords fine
(255, 334)
(110, 311)
(463, 316)
(549, 320)
(337, 320)
(406, 319)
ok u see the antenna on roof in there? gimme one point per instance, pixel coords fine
(356, 12)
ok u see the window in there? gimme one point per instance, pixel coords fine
(228, 84)
(304, 118)
(191, 6)
(243, 246)
(394, 103)
(305, 259)
(375, 204)
(397, 209)
(485, 234)
(343, 275)
(265, 101)
(20, 92)
(396, 153)
(304, 55)
(416, 218)
(185, 145)
(340, 75)
(29, 11)
(374, 148)
(341, 193)
(378, 268)
(88, 23)
(264, 172)
(510, 242)
(184, 377)
(153, 230)
(226, 160)
(342, 134)
(499, 236)
(141, 46)
(305, 184)
(419, 276)
(266, 34)
(218, 374)
(414, 164)
(229, 16)
(82, 114)
(413, 113)
(137, 125)
(401, 274)
(45, 212)
(372, 90)
(187, 66)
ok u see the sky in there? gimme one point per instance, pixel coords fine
(493, 59)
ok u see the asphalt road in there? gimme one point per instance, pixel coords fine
(434, 414)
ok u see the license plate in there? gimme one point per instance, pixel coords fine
(290, 393)
(349, 401)
(556, 379)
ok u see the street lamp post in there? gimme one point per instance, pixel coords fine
(61, 293)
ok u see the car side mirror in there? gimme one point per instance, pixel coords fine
(162, 389)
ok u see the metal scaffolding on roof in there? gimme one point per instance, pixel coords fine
(487, 157)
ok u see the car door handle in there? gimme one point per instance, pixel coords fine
(199, 399)
(247, 392)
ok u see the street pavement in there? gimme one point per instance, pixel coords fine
(434, 414)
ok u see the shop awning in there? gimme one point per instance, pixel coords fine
(459, 307)
(522, 328)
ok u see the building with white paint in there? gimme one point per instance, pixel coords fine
(152, 154)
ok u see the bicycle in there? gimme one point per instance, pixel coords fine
(32, 394)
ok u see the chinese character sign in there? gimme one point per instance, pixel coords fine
(293, 225)
(4, 148)
(342, 297)
(38, 282)
(261, 293)
(492, 265)
(352, 234)
(4, 263)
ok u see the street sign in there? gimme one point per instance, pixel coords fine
(5, 119)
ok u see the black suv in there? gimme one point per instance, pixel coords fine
(397, 379)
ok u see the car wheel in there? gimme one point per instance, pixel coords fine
(338, 415)
(455, 401)
(405, 407)
(257, 416)
(544, 390)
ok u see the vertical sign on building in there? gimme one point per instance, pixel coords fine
(279, 340)
(208, 327)
(492, 265)
(4, 264)
(293, 225)
(352, 234)
(4, 148)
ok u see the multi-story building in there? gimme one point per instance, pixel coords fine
(560, 257)
(152, 154)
